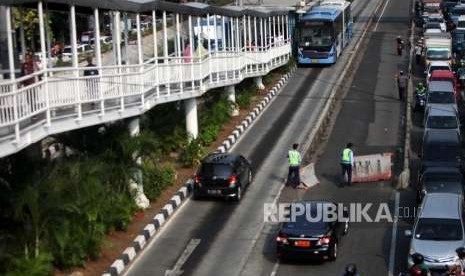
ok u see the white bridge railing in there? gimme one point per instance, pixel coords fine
(62, 99)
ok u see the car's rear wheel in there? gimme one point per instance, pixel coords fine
(334, 252)
(238, 195)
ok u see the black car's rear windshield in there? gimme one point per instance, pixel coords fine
(438, 152)
(301, 222)
(438, 229)
(218, 170)
(441, 97)
(442, 122)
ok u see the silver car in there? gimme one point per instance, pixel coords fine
(444, 117)
(438, 230)
(440, 95)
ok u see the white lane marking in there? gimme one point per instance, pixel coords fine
(152, 240)
(176, 270)
(274, 272)
(381, 15)
(392, 253)
(259, 232)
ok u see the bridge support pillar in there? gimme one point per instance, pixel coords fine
(137, 186)
(231, 93)
(259, 83)
(191, 118)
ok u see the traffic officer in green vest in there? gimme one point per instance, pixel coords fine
(347, 163)
(293, 177)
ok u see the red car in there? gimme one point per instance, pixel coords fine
(446, 75)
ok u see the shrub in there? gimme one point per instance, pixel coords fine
(118, 211)
(156, 178)
(208, 134)
(38, 266)
(268, 79)
(290, 64)
(192, 154)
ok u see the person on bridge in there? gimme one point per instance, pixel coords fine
(295, 159)
(402, 83)
(351, 270)
(459, 267)
(347, 163)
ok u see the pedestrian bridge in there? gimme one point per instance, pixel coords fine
(210, 47)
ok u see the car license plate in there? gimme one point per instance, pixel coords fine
(314, 60)
(214, 192)
(302, 243)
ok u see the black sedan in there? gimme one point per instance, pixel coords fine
(317, 237)
(223, 175)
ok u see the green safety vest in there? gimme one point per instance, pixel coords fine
(294, 158)
(345, 158)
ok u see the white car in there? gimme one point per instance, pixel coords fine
(437, 18)
(436, 65)
(81, 49)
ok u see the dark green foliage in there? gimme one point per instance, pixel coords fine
(209, 133)
(245, 91)
(290, 64)
(268, 79)
(37, 266)
(156, 178)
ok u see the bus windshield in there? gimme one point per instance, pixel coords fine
(316, 35)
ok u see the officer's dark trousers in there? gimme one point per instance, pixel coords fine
(293, 177)
(401, 93)
(347, 169)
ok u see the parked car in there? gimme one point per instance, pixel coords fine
(446, 75)
(438, 230)
(458, 40)
(302, 239)
(461, 23)
(441, 148)
(445, 117)
(222, 175)
(437, 18)
(81, 49)
(440, 94)
(436, 65)
(432, 25)
(440, 180)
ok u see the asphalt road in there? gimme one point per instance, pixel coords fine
(233, 238)
(371, 118)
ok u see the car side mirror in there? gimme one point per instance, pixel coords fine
(408, 233)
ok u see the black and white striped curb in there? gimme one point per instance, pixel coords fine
(240, 129)
(149, 231)
(129, 254)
